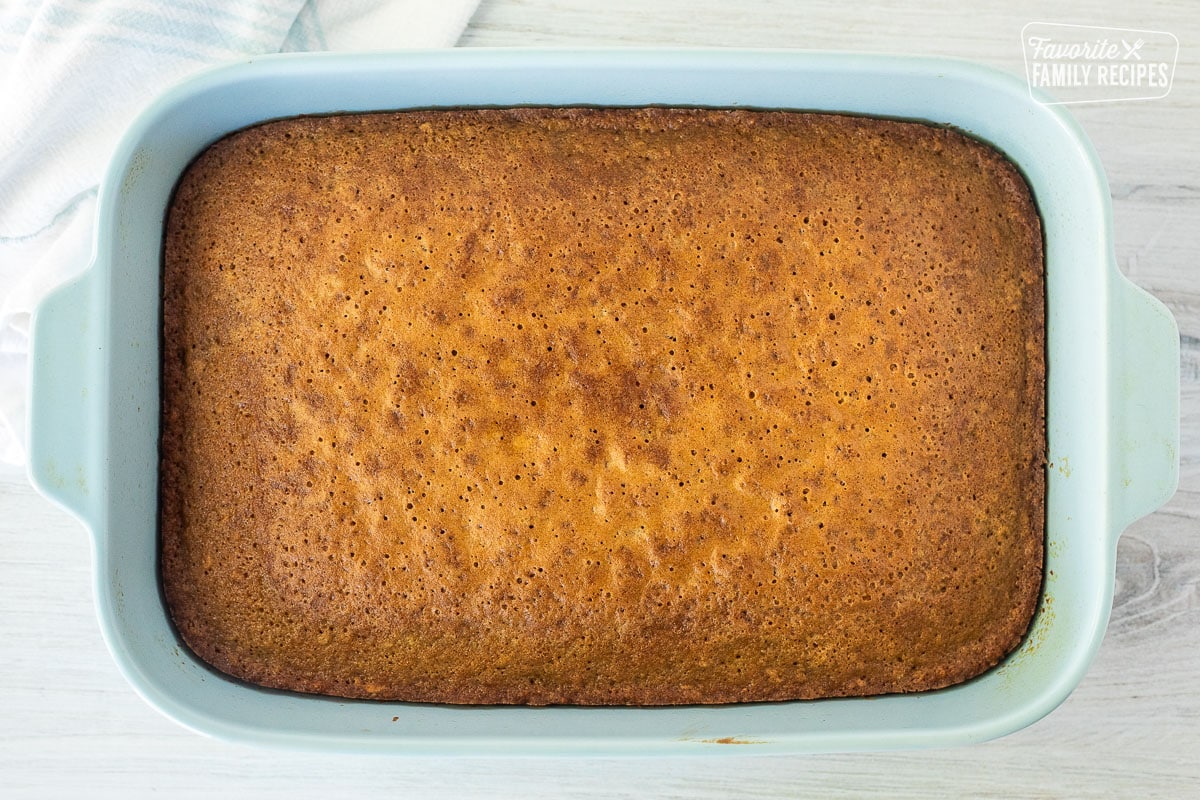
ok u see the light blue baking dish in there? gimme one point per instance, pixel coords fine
(1113, 394)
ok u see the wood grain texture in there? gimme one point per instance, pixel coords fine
(70, 725)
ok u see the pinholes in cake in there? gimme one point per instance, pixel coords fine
(641, 406)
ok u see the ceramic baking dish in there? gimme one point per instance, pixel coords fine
(1113, 400)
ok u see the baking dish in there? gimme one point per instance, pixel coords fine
(1113, 396)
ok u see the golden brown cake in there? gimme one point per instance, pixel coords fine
(640, 406)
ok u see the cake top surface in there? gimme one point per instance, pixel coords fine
(585, 405)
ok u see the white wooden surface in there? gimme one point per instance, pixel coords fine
(69, 725)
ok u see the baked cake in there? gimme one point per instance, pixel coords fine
(602, 406)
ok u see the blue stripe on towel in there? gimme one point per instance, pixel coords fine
(281, 15)
(130, 41)
(307, 33)
(192, 35)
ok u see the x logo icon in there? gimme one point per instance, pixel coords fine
(1132, 49)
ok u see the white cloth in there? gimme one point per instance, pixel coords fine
(73, 75)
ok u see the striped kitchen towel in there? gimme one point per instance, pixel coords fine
(74, 73)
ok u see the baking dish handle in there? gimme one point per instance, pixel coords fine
(65, 353)
(1144, 403)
